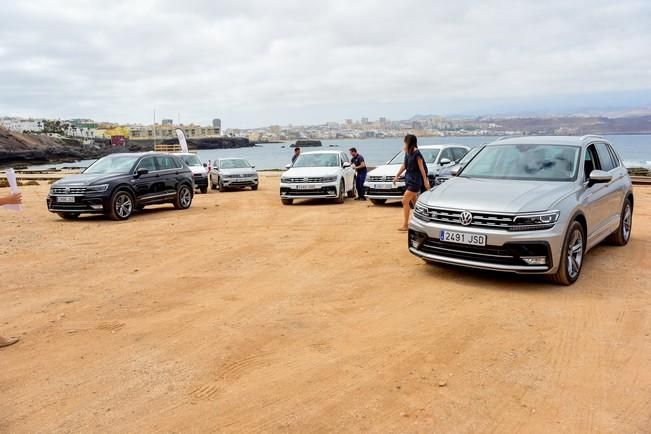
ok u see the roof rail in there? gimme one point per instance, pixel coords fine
(589, 136)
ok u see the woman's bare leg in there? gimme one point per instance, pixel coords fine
(407, 200)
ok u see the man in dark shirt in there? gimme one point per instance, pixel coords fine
(297, 153)
(360, 167)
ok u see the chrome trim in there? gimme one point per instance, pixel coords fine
(481, 265)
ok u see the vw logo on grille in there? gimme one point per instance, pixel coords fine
(465, 218)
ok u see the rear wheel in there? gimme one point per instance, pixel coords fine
(623, 233)
(287, 201)
(572, 255)
(378, 201)
(69, 215)
(341, 197)
(353, 192)
(183, 198)
(122, 205)
(203, 190)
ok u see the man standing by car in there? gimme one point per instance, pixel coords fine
(12, 199)
(297, 153)
(360, 167)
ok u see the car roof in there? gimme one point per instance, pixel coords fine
(183, 153)
(136, 154)
(443, 145)
(322, 152)
(231, 158)
(578, 141)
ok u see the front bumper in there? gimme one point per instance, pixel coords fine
(384, 190)
(503, 251)
(239, 182)
(200, 181)
(309, 191)
(83, 204)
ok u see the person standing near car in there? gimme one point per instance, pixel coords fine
(360, 176)
(416, 179)
(12, 199)
(297, 153)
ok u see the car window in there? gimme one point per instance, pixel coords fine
(234, 164)
(147, 163)
(590, 161)
(605, 158)
(447, 153)
(165, 163)
(458, 153)
(318, 160)
(614, 156)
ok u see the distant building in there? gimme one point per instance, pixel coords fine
(364, 121)
(167, 122)
(169, 131)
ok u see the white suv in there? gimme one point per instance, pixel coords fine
(318, 175)
(199, 170)
(379, 185)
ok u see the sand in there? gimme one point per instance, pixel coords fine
(243, 315)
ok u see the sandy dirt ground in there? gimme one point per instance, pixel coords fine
(241, 315)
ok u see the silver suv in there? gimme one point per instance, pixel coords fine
(527, 205)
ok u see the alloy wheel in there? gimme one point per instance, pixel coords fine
(186, 197)
(575, 254)
(123, 205)
(627, 222)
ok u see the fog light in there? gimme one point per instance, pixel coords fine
(97, 207)
(416, 239)
(535, 260)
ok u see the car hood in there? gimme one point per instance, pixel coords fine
(198, 170)
(385, 170)
(492, 195)
(298, 172)
(239, 171)
(447, 170)
(87, 179)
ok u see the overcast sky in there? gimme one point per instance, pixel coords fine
(260, 62)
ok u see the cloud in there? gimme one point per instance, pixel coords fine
(254, 62)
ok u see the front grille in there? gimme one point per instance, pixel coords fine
(509, 254)
(68, 190)
(397, 192)
(380, 179)
(440, 180)
(239, 176)
(453, 217)
(324, 191)
(306, 180)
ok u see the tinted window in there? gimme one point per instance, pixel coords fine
(447, 153)
(166, 163)
(604, 157)
(317, 160)
(589, 162)
(147, 163)
(615, 157)
(458, 153)
(113, 164)
(234, 164)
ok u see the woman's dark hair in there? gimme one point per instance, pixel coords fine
(412, 142)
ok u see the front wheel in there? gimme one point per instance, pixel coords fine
(203, 190)
(353, 192)
(221, 187)
(341, 197)
(623, 233)
(287, 201)
(183, 198)
(122, 205)
(378, 201)
(572, 254)
(254, 187)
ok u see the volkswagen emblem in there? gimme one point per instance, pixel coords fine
(465, 218)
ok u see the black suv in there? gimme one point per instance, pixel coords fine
(118, 184)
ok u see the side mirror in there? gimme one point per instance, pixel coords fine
(252, 167)
(346, 165)
(600, 177)
(445, 161)
(141, 172)
(455, 171)
(288, 166)
(205, 164)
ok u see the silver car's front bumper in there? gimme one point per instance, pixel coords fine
(239, 182)
(498, 243)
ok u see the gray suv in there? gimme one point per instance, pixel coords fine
(527, 205)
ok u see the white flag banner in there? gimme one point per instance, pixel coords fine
(184, 143)
(13, 184)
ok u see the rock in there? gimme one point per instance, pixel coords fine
(443, 383)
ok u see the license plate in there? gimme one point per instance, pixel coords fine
(383, 186)
(66, 199)
(463, 238)
(305, 187)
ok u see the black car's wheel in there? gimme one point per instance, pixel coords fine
(203, 190)
(342, 194)
(183, 198)
(573, 252)
(254, 187)
(287, 201)
(623, 233)
(68, 215)
(122, 205)
(378, 201)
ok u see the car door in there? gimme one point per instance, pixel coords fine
(616, 189)
(594, 197)
(169, 171)
(146, 185)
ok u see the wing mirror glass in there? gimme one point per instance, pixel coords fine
(141, 172)
(288, 166)
(445, 161)
(345, 165)
(600, 177)
(252, 167)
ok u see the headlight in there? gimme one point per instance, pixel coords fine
(421, 211)
(535, 221)
(329, 178)
(97, 188)
(284, 180)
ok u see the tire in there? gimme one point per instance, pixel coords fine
(69, 215)
(378, 201)
(254, 188)
(122, 205)
(221, 187)
(623, 233)
(342, 194)
(203, 190)
(183, 198)
(572, 255)
(353, 193)
(287, 201)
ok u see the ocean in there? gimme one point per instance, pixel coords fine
(635, 150)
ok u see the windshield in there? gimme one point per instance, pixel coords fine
(428, 154)
(317, 160)
(191, 160)
(469, 156)
(234, 164)
(525, 162)
(118, 164)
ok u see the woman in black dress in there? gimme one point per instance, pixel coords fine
(415, 177)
